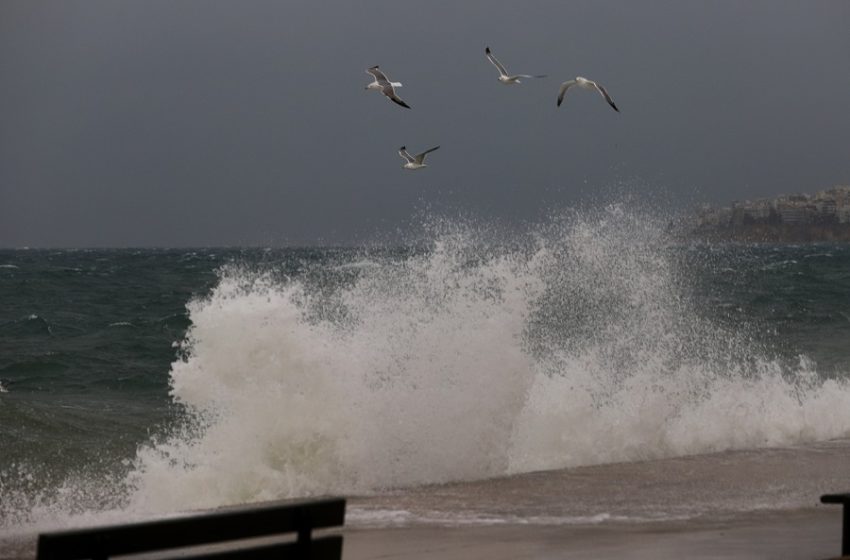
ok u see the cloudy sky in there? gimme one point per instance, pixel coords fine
(198, 123)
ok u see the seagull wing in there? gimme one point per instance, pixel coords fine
(530, 76)
(390, 92)
(495, 62)
(378, 75)
(403, 153)
(421, 157)
(607, 97)
(564, 87)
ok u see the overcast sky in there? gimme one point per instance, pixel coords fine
(199, 123)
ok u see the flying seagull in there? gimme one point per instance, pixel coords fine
(417, 161)
(584, 83)
(385, 86)
(503, 74)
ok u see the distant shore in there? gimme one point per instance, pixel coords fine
(775, 233)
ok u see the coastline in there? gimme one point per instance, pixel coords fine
(791, 534)
(806, 533)
(752, 503)
(774, 233)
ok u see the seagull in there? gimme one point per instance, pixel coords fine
(385, 86)
(503, 74)
(417, 161)
(584, 83)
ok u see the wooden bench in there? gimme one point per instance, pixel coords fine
(845, 524)
(222, 533)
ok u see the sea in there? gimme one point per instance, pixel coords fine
(593, 368)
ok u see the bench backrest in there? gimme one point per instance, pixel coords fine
(230, 525)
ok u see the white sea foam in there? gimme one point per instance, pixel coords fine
(363, 517)
(578, 347)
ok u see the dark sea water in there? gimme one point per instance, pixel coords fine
(146, 381)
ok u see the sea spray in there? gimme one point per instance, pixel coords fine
(634, 369)
(578, 344)
(418, 380)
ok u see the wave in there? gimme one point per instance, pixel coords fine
(578, 344)
(27, 326)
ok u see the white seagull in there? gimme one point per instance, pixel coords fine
(414, 162)
(385, 86)
(584, 83)
(503, 74)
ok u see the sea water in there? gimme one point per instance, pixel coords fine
(146, 382)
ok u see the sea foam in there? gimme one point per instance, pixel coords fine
(579, 344)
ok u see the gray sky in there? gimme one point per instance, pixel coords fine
(175, 123)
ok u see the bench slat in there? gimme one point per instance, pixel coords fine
(324, 548)
(835, 498)
(267, 519)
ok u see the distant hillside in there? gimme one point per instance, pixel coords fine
(796, 218)
(776, 233)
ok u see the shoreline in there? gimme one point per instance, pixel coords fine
(791, 534)
(774, 233)
(752, 503)
(808, 533)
